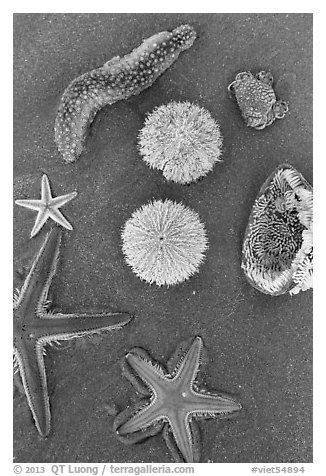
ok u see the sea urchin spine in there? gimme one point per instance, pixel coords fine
(164, 242)
(182, 140)
(117, 79)
(277, 255)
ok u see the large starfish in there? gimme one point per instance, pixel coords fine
(174, 401)
(35, 326)
(47, 207)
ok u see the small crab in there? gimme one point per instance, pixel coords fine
(256, 99)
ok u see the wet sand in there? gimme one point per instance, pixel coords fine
(258, 347)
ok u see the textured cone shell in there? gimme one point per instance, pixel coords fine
(265, 277)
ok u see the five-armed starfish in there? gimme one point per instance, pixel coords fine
(47, 207)
(174, 399)
(35, 326)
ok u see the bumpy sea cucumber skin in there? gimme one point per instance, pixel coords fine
(117, 79)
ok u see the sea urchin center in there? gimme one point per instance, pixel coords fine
(164, 242)
(182, 140)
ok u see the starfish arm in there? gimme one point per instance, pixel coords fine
(176, 358)
(57, 216)
(140, 434)
(171, 444)
(31, 367)
(211, 405)
(46, 190)
(58, 202)
(40, 275)
(32, 204)
(152, 374)
(147, 416)
(182, 435)
(189, 365)
(69, 326)
(133, 377)
(196, 442)
(41, 218)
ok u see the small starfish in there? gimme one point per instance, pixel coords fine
(47, 207)
(174, 401)
(34, 327)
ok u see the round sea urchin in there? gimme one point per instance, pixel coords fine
(182, 140)
(164, 242)
(277, 255)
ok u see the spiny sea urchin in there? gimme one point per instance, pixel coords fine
(164, 242)
(277, 254)
(182, 140)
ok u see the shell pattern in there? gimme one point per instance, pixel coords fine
(277, 254)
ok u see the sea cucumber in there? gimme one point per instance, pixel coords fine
(117, 79)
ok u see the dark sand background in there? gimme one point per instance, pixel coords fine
(258, 347)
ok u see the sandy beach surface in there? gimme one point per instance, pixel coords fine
(258, 347)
